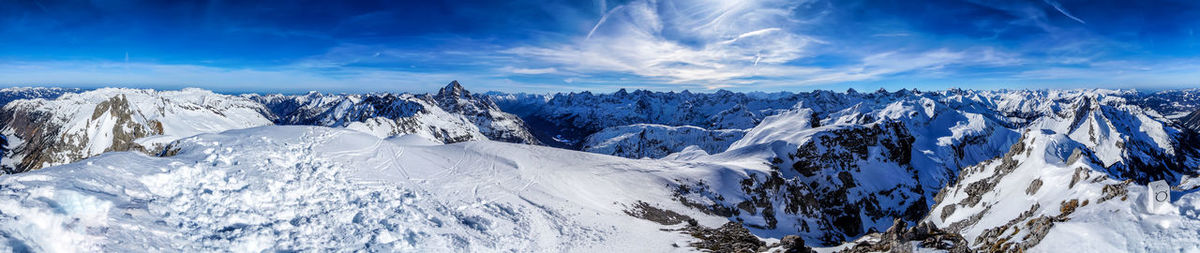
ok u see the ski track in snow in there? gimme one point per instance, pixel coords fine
(308, 188)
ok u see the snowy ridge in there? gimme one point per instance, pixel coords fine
(76, 126)
(451, 115)
(657, 141)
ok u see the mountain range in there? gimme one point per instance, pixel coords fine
(957, 170)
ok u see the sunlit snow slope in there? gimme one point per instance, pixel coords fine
(317, 188)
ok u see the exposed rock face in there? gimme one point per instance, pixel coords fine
(826, 188)
(793, 244)
(1192, 121)
(731, 237)
(900, 238)
(646, 211)
(451, 115)
(821, 181)
(76, 126)
(1034, 187)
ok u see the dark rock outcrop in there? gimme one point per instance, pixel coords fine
(900, 237)
(731, 237)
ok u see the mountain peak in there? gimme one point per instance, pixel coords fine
(453, 89)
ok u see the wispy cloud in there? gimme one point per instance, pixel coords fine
(529, 71)
(1057, 6)
(884, 64)
(740, 43)
(659, 44)
(683, 42)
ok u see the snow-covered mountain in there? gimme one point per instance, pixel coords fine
(14, 93)
(840, 165)
(1170, 103)
(657, 141)
(79, 125)
(566, 120)
(451, 115)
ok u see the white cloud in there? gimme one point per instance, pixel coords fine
(528, 71)
(1058, 7)
(684, 42)
(722, 44)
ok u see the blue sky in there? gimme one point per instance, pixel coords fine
(550, 46)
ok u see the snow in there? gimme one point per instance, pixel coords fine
(314, 188)
(789, 126)
(86, 124)
(385, 181)
(1116, 225)
(451, 115)
(657, 141)
(1125, 226)
(413, 140)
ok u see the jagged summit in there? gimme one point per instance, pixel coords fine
(453, 89)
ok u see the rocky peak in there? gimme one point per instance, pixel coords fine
(454, 89)
(455, 98)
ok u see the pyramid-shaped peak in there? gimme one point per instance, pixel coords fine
(453, 89)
